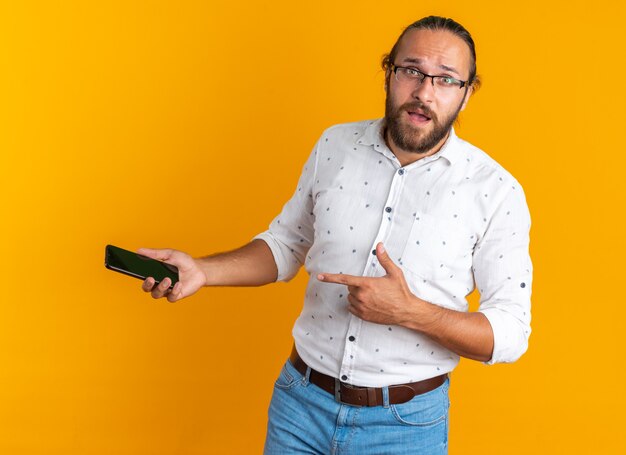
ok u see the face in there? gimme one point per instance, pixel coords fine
(418, 115)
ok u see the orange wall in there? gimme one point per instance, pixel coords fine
(185, 124)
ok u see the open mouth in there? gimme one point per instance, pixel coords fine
(418, 117)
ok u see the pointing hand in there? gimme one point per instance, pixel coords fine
(383, 300)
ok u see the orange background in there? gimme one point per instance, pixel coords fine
(186, 124)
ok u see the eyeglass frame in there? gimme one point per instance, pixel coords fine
(432, 78)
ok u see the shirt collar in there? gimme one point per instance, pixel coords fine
(373, 136)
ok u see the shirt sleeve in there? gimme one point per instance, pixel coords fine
(503, 275)
(290, 234)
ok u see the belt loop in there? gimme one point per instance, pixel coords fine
(307, 375)
(385, 391)
(338, 391)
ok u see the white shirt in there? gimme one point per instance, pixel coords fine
(449, 220)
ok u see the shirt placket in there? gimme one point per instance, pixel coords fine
(355, 324)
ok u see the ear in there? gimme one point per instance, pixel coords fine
(469, 92)
(387, 75)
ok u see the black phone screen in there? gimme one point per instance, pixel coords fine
(138, 266)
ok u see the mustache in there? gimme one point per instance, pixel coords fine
(415, 105)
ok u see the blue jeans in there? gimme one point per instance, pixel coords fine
(304, 419)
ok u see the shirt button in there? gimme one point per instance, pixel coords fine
(344, 377)
(374, 252)
(351, 338)
(401, 171)
(388, 209)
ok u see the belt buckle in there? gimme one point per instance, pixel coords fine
(338, 399)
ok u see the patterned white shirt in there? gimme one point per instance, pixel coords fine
(451, 221)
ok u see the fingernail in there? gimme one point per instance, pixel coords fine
(382, 248)
(320, 277)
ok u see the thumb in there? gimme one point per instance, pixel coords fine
(383, 257)
(159, 255)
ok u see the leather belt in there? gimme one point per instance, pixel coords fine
(364, 396)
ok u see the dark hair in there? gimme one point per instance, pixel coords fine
(437, 23)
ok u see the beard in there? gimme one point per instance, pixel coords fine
(411, 138)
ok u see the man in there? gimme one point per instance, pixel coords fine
(396, 221)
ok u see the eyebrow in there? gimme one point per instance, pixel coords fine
(443, 67)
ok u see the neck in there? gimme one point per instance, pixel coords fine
(407, 157)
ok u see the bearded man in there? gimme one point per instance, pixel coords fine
(396, 221)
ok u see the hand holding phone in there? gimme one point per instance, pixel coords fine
(191, 280)
(188, 280)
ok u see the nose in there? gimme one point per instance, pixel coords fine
(425, 90)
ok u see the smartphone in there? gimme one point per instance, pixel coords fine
(138, 266)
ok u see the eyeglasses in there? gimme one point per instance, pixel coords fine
(406, 74)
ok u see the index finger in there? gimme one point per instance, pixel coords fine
(148, 284)
(340, 278)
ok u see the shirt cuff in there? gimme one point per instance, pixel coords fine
(509, 338)
(286, 263)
